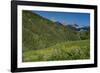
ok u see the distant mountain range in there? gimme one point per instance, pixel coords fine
(75, 26)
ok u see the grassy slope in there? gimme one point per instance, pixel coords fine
(72, 50)
(39, 32)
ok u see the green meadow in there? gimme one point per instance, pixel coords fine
(72, 50)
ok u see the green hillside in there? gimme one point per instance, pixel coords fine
(39, 33)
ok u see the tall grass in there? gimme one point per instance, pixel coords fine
(71, 50)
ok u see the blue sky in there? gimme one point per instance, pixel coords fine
(82, 19)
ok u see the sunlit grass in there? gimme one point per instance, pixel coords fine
(71, 50)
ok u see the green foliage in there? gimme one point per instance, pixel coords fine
(44, 40)
(84, 35)
(43, 32)
(72, 50)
